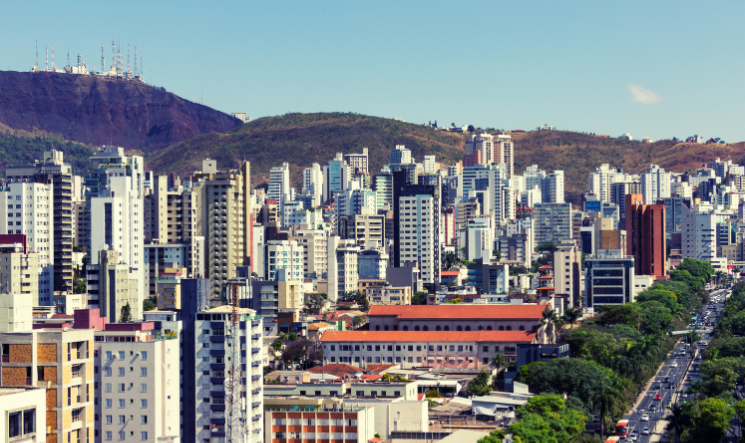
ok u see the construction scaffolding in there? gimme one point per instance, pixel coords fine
(235, 385)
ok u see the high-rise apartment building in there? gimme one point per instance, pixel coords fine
(342, 267)
(400, 156)
(383, 187)
(227, 398)
(280, 254)
(28, 210)
(552, 223)
(313, 183)
(335, 177)
(698, 231)
(601, 179)
(52, 169)
(112, 285)
(279, 182)
(553, 188)
(315, 251)
(367, 229)
(429, 164)
(655, 184)
(225, 223)
(19, 269)
(358, 163)
(63, 358)
(505, 153)
(645, 236)
(135, 389)
(568, 272)
(484, 144)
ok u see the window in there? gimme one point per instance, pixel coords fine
(121, 355)
(121, 403)
(109, 420)
(143, 387)
(108, 435)
(143, 419)
(143, 372)
(108, 403)
(143, 435)
(109, 356)
(107, 372)
(143, 355)
(122, 387)
(143, 403)
(108, 387)
(122, 435)
(121, 419)
(121, 372)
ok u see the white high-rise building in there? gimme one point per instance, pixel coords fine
(232, 410)
(342, 267)
(117, 211)
(280, 254)
(699, 233)
(351, 201)
(601, 179)
(553, 187)
(531, 197)
(534, 177)
(279, 183)
(28, 210)
(313, 183)
(655, 184)
(400, 156)
(429, 164)
(478, 238)
(417, 234)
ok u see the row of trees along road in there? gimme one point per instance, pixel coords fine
(612, 357)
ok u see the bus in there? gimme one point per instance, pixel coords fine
(622, 428)
(612, 439)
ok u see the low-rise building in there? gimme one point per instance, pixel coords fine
(389, 295)
(524, 317)
(23, 417)
(474, 349)
(316, 420)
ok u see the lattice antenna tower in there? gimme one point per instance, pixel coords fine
(36, 65)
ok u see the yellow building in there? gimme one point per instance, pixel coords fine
(62, 362)
(168, 288)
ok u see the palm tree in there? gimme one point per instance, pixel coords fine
(692, 337)
(449, 259)
(499, 361)
(550, 318)
(718, 275)
(605, 402)
(629, 361)
(697, 388)
(676, 421)
(572, 316)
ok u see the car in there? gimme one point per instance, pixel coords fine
(632, 437)
(658, 397)
(675, 364)
(645, 417)
(652, 408)
(666, 380)
(698, 357)
(645, 431)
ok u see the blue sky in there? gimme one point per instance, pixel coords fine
(657, 69)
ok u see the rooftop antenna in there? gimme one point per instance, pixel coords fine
(103, 60)
(37, 55)
(53, 69)
(129, 73)
(68, 59)
(47, 49)
(136, 60)
(113, 51)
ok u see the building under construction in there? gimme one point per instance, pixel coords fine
(116, 67)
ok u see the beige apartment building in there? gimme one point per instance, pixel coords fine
(226, 221)
(61, 361)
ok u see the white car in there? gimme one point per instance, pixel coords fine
(632, 437)
(645, 417)
(675, 364)
(645, 431)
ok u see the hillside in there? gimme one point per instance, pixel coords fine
(97, 111)
(578, 154)
(301, 140)
(24, 149)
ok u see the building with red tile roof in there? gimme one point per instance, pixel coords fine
(420, 349)
(456, 317)
(337, 370)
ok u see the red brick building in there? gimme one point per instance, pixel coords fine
(646, 236)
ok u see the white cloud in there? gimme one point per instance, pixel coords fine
(643, 95)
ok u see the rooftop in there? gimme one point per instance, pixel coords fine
(430, 312)
(430, 336)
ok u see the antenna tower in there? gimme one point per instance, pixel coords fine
(37, 55)
(67, 68)
(47, 49)
(136, 60)
(129, 73)
(103, 60)
(113, 50)
(53, 69)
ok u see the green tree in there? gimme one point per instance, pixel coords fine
(277, 345)
(571, 316)
(479, 385)
(419, 298)
(126, 314)
(698, 268)
(364, 304)
(547, 419)
(711, 421)
(79, 287)
(315, 302)
(471, 128)
(148, 305)
(549, 320)
(550, 247)
(449, 259)
(626, 314)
